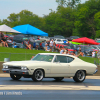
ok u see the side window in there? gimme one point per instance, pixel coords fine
(69, 59)
(58, 40)
(61, 59)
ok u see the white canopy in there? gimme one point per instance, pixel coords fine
(5, 28)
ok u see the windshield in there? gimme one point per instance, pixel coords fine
(41, 57)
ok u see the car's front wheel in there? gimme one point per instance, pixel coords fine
(59, 78)
(79, 76)
(38, 75)
(15, 77)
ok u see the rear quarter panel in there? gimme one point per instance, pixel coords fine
(78, 64)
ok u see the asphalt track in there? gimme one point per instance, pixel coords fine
(49, 89)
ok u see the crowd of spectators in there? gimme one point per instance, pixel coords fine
(49, 45)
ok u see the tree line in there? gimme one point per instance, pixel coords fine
(70, 18)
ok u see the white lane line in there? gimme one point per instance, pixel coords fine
(48, 87)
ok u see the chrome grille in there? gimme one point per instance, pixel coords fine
(14, 67)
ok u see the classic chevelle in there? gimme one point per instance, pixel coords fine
(51, 65)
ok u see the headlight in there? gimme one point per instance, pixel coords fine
(5, 66)
(23, 67)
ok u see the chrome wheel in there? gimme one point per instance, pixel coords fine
(79, 76)
(38, 75)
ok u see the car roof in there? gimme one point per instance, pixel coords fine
(58, 54)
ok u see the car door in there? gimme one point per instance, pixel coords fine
(61, 66)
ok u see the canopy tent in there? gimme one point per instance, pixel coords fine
(5, 28)
(85, 40)
(28, 29)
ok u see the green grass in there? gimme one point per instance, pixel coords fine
(89, 59)
(19, 54)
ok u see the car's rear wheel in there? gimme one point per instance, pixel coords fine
(59, 78)
(79, 76)
(15, 77)
(38, 75)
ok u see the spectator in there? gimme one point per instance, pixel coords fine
(54, 46)
(66, 51)
(38, 38)
(93, 54)
(32, 40)
(48, 43)
(61, 50)
(80, 52)
(28, 46)
(43, 45)
(47, 48)
(9, 41)
(14, 45)
(73, 53)
(4, 42)
(1, 36)
(37, 46)
(51, 44)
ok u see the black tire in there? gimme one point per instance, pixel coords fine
(59, 78)
(15, 77)
(38, 75)
(79, 76)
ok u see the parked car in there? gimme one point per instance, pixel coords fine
(97, 47)
(44, 38)
(20, 38)
(10, 36)
(72, 37)
(51, 65)
(60, 41)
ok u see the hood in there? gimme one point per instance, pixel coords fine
(22, 63)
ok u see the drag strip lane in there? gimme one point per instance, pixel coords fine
(48, 87)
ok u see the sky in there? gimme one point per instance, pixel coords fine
(38, 7)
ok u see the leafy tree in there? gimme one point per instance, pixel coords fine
(67, 3)
(60, 22)
(85, 24)
(97, 20)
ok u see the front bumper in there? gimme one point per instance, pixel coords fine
(16, 71)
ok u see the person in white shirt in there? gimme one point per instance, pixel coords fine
(51, 44)
(93, 54)
(9, 41)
